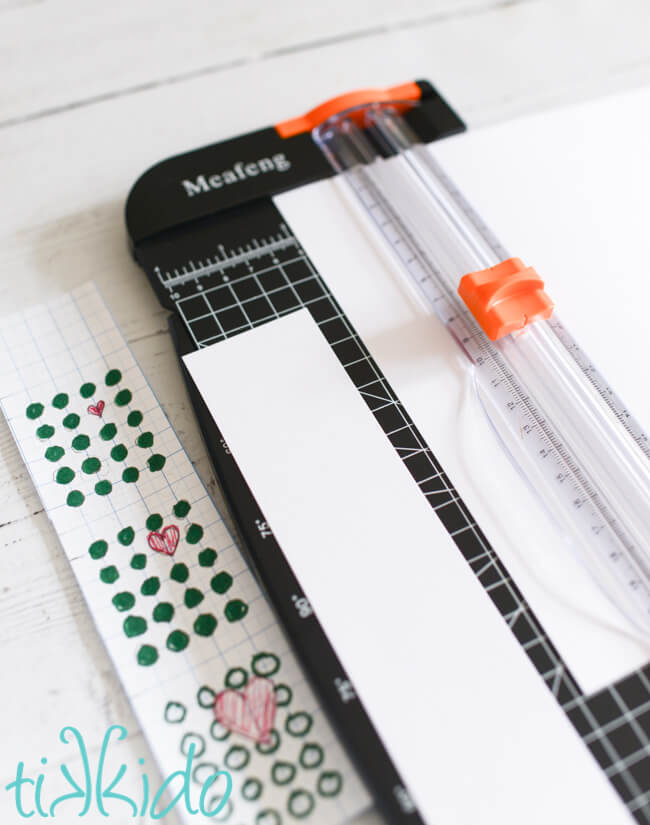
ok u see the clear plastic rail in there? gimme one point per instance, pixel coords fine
(572, 439)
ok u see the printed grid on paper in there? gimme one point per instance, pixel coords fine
(66, 344)
(615, 722)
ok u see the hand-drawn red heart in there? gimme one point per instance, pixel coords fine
(165, 541)
(97, 409)
(250, 712)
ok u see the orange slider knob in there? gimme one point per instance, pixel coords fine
(505, 297)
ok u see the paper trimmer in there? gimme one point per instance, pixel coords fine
(223, 257)
(569, 434)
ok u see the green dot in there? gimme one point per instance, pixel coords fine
(205, 624)
(221, 582)
(54, 453)
(126, 536)
(138, 561)
(60, 400)
(207, 557)
(147, 655)
(90, 465)
(119, 452)
(112, 377)
(80, 443)
(150, 586)
(98, 549)
(103, 488)
(177, 640)
(194, 533)
(154, 521)
(123, 601)
(134, 418)
(193, 597)
(64, 475)
(145, 440)
(34, 411)
(130, 475)
(179, 572)
(71, 421)
(45, 431)
(108, 432)
(86, 390)
(75, 498)
(163, 612)
(134, 626)
(123, 397)
(182, 508)
(109, 574)
(235, 610)
(156, 462)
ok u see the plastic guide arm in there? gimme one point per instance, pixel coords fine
(585, 459)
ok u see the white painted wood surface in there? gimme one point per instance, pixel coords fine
(90, 95)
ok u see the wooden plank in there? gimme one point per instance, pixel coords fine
(95, 52)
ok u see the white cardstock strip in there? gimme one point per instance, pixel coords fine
(180, 613)
(473, 730)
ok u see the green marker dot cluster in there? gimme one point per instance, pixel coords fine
(103, 488)
(112, 378)
(54, 453)
(61, 400)
(75, 498)
(45, 431)
(87, 390)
